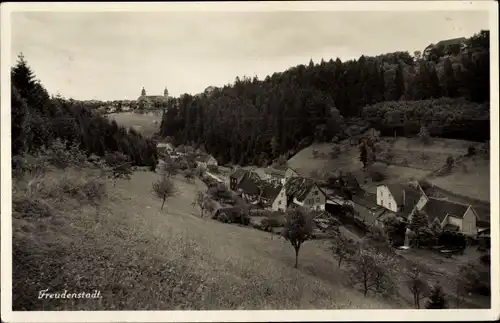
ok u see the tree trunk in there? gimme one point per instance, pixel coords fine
(296, 257)
(163, 203)
(340, 261)
(201, 212)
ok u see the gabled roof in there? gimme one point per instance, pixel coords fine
(452, 41)
(396, 191)
(238, 174)
(367, 200)
(249, 185)
(299, 187)
(411, 198)
(270, 192)
(439, 209)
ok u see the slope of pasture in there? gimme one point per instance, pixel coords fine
(470, 177)
(411, 152)
(141, 258)
(143, 123)
(304, 162)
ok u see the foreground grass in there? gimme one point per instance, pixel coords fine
(144, 259)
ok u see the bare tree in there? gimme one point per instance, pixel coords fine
(372, 270)
(417, 286)
(202, 201)
(169, 169)
(164, 188)
(298, 229)
(343, 247)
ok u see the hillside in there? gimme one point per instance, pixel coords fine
(145, 123)
(255, 122)
(409, 160)
(144, 259)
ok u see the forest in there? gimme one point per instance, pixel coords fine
(38, 120)
(256, 121)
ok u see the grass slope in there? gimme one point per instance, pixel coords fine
(410, 160)
(144, 259)
(143, 123)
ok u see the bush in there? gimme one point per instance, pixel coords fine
(471, 150)
(26, 207)
(232, 215)
(272, 223)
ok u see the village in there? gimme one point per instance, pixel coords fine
(269, 192)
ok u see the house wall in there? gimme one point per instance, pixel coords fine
(455, 221)
(232, 183)
(469, 222)
(279, 203)
(421, 203)
(385, 199)
(212, 161)
(315, 199)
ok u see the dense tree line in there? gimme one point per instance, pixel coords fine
(256, 121)
(38, 120)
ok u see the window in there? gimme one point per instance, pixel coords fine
(317, 200)
(279, 202)
(389, 205)
(315, 192)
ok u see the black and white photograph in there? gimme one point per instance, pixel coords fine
(221, 161)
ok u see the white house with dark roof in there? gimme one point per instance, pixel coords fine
(304, 192)
(401, 199)
(452, 216)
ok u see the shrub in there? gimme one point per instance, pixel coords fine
(436, 298)
(237, 215)
(471, 150)
(26, 207)
(163, 188)
(335, 152)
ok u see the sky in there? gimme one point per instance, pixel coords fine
(112, 55)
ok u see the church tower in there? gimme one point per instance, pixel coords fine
(143, 92)
(165, 93)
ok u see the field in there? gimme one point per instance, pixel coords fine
(144, 123)
(404, 159)
(141, 258)
(470, 177)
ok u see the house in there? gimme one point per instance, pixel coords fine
(249, 188)
(452, 216)
(236, 177)
(401, 199)
(449, 47)
(366, 208)
(273, 197)
(205, 161)
(304, 192)
(165, 147)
